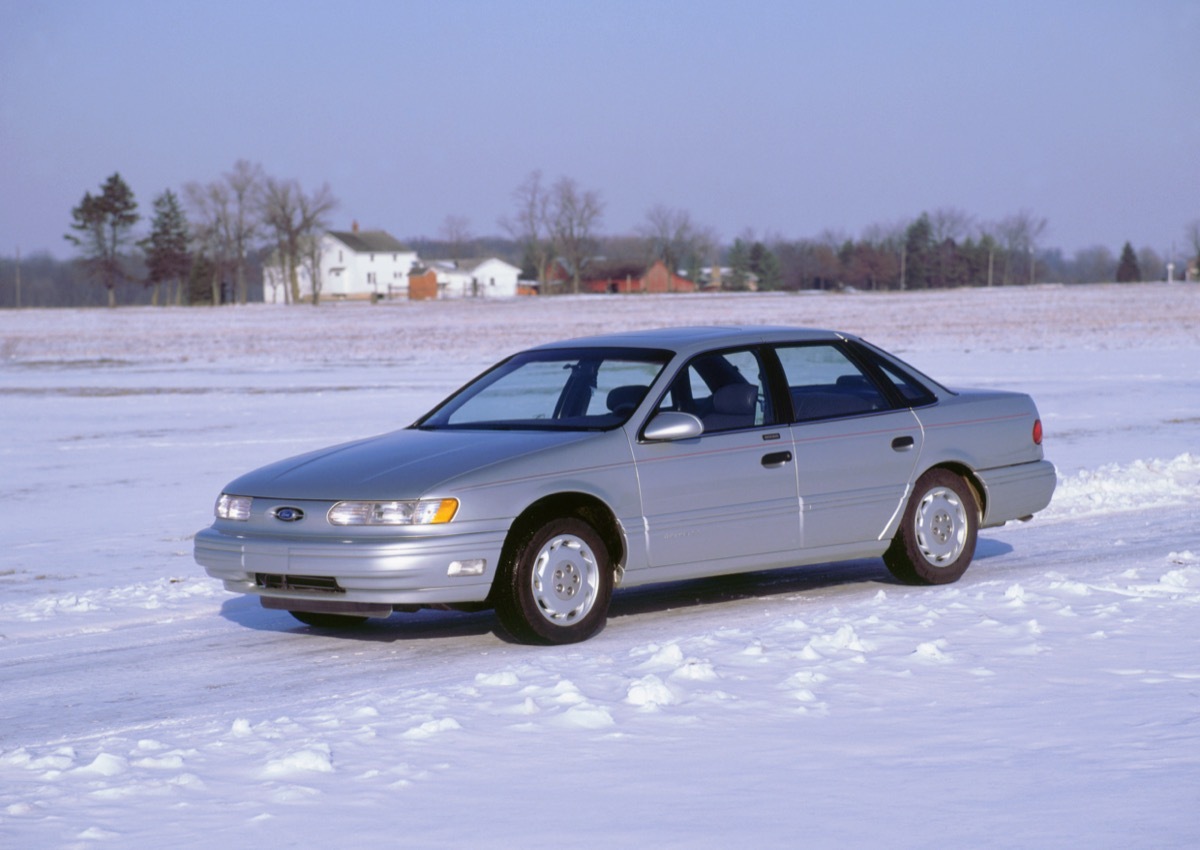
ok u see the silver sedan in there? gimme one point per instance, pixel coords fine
(576, 467)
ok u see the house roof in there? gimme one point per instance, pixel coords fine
(370, 241)
(469, 265)
(615, 270)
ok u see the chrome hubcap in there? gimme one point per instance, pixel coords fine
(565, 579)
(941, 526)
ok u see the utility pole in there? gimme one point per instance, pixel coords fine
(18, 277)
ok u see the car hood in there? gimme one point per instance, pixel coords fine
(403, 464)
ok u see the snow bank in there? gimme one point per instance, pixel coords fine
(1136, 486)
(144, 707)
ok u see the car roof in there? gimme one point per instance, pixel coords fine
(689, 339)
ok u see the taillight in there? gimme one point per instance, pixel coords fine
(1037, 432)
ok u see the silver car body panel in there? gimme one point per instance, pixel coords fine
(756, 498)
(854, 475)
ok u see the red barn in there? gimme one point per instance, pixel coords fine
(627, 278)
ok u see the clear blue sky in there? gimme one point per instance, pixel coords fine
(788, 118)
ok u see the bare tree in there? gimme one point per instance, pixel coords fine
(530, 224)
(296, 221)
(1019, 234)
(279, 210)
(314, 221)
(1193, 237)
(989, 241)
(244, 184)
(456, 231)
(883, 263)
(947, 227)
(228, 222)
(1151, 264)
(885, 235)
(950, 223)
(310, 258)
(575, 215)
(209, 203)
(674, 238)
(1095, 264)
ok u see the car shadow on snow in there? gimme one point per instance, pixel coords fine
(420, 625)
(809, 579)
(986, 547)
(631, 602)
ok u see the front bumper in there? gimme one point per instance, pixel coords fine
(380, 571)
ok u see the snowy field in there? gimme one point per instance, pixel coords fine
(1049, 699)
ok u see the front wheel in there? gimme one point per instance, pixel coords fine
(936, 538)
(556, 585)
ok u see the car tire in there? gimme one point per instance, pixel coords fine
(936, 539)
(328, 621)
(556, 584)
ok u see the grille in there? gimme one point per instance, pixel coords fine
(303, 584)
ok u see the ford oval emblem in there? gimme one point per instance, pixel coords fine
(289, 514)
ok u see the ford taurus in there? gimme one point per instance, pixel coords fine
(572, 468)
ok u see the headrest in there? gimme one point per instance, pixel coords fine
(736, 399)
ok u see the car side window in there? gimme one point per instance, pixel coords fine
(726, 390)
(824, 383)
(620, 386)
(914, 393)
(907, 386)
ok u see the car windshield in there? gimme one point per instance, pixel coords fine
(564, 389)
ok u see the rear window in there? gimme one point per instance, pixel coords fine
(824, 383)
(911, 385)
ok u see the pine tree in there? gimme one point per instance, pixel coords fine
(103, 224)
(1127, 268)
(918, 252)
(739, 266)
(167, 257)
(765, 266)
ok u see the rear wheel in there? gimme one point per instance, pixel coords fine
(328, 621)
(556, 585)
(936, 539)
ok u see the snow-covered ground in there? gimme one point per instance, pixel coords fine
(1051, 698)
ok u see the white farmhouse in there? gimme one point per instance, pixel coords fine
(355, 264)
(487, 278)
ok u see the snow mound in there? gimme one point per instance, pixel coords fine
(314, 759)
(1135, 486)
(431, 728)
(157, 596)
(650, 692)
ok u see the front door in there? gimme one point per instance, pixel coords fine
(725, 500)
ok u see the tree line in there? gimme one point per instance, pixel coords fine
(203, 249)
(208, 247)
(559, 223)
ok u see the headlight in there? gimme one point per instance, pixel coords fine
(430, 512)
(234, 507)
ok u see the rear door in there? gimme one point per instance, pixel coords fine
(856, 447)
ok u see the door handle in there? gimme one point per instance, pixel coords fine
(903, 444)
(776, 459)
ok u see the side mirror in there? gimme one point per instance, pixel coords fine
(672, 425)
